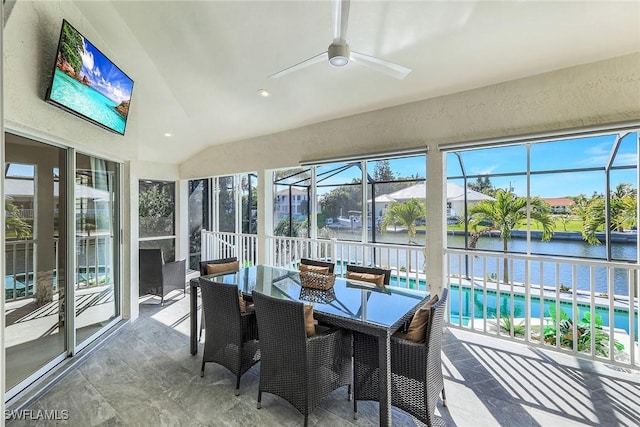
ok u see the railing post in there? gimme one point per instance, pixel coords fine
(204, 250)
(242, 255)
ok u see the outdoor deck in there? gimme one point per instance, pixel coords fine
(144, 375)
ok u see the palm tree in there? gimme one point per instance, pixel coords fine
(622, 212)
(595, 220)
(13, 222)
(579, 207)
(507, 212)
(404, 213)
(623, 207)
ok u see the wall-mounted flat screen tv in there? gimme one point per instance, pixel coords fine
(87, 84)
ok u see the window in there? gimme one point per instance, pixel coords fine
(226, 204)
(157, 205)
(287, 184)
(570, 197)
(394, 210)
(396, 198)
(249, 203)
(199, 212)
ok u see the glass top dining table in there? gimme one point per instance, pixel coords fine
(353, 305)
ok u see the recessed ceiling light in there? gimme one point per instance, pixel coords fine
(264, 93)
(168, 134)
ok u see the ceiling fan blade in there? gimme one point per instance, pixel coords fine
(340, 16)
(394, 70)
(313, 60)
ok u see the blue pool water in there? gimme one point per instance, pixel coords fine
(85, 100)
(620, 316)
(476, 307)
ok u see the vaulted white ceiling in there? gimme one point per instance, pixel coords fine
(198, 65)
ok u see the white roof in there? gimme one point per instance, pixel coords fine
(418, 191)
(456, 192)
(383, 199)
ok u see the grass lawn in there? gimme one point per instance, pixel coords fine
(572, 225)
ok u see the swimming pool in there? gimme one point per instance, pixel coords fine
(476, 307)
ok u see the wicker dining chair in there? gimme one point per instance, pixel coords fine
(204, 271)
(370, 270)
(317, 263)
(416, 369)
(301, 370)
(156, 277)
(231, 338)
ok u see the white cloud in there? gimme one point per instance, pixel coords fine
(87, 59)
(487, 170)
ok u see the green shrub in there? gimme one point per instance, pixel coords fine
(562, 325)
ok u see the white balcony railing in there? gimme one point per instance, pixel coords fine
(405, 262)
(583, 307)
(19, 275)
(94, 262)
(216, 245)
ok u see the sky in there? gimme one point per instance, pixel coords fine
(104, 76)
(569, 156)
(564, 155)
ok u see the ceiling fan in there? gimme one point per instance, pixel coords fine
(339, 54)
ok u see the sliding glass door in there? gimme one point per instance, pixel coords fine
(62, 254)
(97, 245)
(35, 254)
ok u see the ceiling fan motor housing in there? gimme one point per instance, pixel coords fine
(338, 54)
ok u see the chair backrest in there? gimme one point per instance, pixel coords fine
(221, 313)
(149, 270)
(371, 270)
(433, 342)
(282, 339)
(317, 263)
(203, 264)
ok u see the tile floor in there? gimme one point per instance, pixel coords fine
(145, 376)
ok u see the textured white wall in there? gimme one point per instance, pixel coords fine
(30, 44)
(597, 93)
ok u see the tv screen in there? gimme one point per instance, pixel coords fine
(87, 84)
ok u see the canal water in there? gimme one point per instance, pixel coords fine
(621, 251)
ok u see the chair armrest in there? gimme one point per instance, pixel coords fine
(329, 340)
(408, 358)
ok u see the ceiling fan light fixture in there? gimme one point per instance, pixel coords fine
(338, 54)
(339, 61)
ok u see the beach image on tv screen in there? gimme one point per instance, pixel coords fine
(86, 82)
